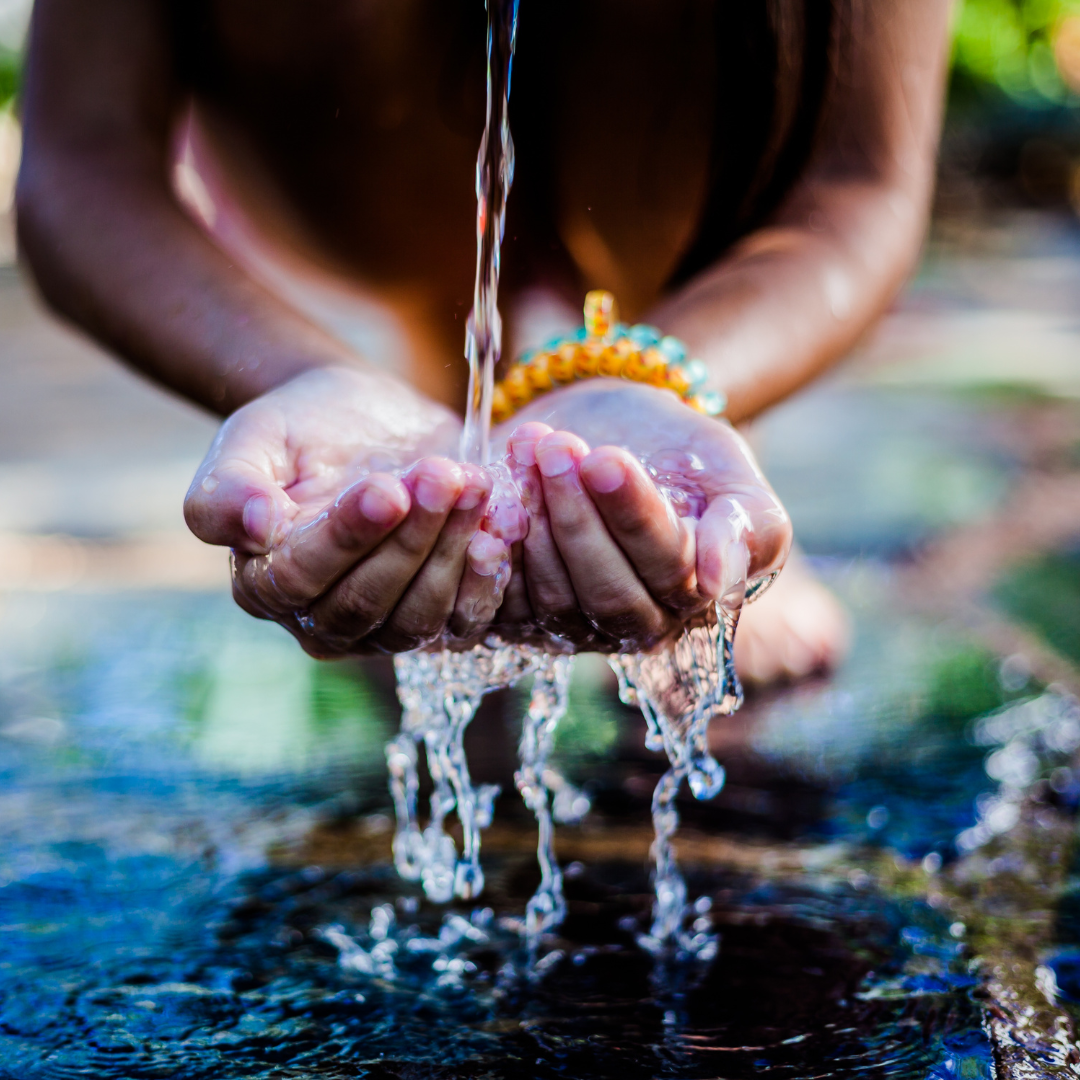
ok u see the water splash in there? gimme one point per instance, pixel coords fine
(440, 693)
(679, 690)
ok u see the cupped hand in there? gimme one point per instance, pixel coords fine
(619, 556)
(349, 524)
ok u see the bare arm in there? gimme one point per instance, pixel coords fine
(362, 559)
(108, 244)
(794, 296)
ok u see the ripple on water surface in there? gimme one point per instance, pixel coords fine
(150, 930)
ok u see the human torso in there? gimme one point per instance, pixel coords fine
(352, 126)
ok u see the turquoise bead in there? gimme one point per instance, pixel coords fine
(713, 403)
(643, 335)
(697, 373)
(673, 349)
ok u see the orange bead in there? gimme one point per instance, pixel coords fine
(586, 363)
(676, 379)
(655, 366)
(517, 386)
(611, 363)
(501, 409)
(561, 364)
(539, 375)
(633, 367)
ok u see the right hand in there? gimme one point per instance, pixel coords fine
(331, 537)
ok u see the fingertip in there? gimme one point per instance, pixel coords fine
(476, 489)
(604, 469)
(264, 523)
(486, 554)
(384, 500)
(436, 483)
(523, 440)
(559, 453)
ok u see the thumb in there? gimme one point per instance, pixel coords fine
(235, 504)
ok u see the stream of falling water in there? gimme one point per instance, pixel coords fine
(679, 690)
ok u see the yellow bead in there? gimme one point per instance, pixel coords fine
(677, 380)
(586, 363)
(501, 409)
(601, 313)
(561, 365)
(696, 403)
(539, 375)
(611, 363)
(634, 368)
(655, 365)
(517, 386)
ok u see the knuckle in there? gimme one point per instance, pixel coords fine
(246, 602)
(352, 613)
(634, 629)
(414, 628)
(289, 583)
(198, 516)
(415, 544)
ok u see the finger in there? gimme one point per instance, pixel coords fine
(659, 545)
(362, 600)
(514, 620)
(740, 538)
(237, 505)
(422, 614)
(313, 557)
(551, 595)
(480, 594)
(237, 564)
(743, 507)
(609, 591)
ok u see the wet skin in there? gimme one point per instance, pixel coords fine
(307, 480)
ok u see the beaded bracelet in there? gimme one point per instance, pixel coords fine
(604, 347)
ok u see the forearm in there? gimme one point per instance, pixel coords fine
(796, 295)
(792, 298)
(113, 251)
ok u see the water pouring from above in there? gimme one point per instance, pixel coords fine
(680, 688)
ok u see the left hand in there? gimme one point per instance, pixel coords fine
(609, 564)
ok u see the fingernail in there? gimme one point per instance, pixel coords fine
(554, 459)
(605, 475)
(486, 554)
(524, 451)
(734, 561)
(377, 507)
(436, 496)
(258, 516)
(476, 490)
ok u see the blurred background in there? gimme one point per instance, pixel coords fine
(168, 762)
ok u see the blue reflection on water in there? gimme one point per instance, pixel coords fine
(157, 755)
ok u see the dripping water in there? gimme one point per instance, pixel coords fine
(679, 690)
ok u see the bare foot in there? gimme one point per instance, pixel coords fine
(798, 628)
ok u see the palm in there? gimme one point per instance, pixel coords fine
(324, 432)
(689, 451)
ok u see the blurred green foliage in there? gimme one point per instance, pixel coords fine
(1008, 45)
(963, 683)
(1045, 594)
(10, 75)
